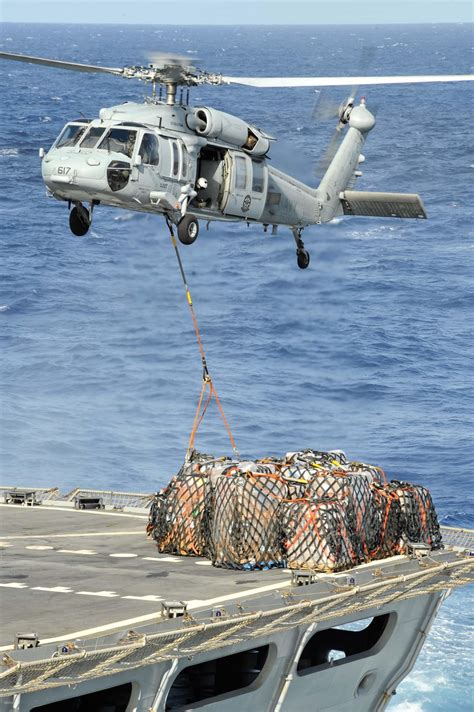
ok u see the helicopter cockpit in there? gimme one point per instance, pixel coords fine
(81, 135)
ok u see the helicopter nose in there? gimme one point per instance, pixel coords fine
(74, 171)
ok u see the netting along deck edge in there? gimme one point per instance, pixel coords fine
(192, 637)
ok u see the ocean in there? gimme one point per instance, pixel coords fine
(369, 350)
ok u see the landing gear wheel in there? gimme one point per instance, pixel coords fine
(78, 221)
(188, 229)
(302, 258)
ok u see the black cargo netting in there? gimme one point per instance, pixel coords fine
(355, 494)
(244, 531)
(310, 509)
(419, 516)
(178, 517)
(318, 536)
(386, 529)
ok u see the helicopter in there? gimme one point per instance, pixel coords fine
(188, 163)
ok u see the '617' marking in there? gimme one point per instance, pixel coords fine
(64, 170)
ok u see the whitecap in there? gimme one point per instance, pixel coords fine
(9, 151)
(408, 707)
(4, 307)
(45, 119)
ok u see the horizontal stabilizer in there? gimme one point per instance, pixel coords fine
(382, 205)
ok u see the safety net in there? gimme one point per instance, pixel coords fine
(309, 509)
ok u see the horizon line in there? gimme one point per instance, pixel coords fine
(248, 24)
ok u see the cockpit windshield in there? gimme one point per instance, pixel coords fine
(92, 137)
(70, 135)
(119, 141)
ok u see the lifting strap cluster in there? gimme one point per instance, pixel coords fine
(207, 383)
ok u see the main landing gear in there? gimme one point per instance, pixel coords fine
(80, 220)
(188, 229)
(302, 255)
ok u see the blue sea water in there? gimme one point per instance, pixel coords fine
(369, 350)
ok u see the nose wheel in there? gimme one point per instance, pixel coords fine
(79, 220)
(302, 255)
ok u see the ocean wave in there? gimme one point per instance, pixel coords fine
(9, 151)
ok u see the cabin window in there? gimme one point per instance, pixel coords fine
(240, 163)
(258, 176)
(119, 141)
(216, 677)
(185, 158)
(70, 135)
(92, 137)
(113, 699)
(149, 150)
(174, 159)
(341, 644)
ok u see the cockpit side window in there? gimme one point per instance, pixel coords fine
(149, 150)
(92, 137)
(119, 141)
(70, 135)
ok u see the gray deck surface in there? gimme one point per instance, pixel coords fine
(65, 571)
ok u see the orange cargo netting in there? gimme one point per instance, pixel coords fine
(313, 510)
(207, 383)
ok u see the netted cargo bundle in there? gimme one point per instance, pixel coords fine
(376, 473)
(318, 536)
(310, 509)
(333, 459)
(245, 530)
(355, 494)
(201, 463)
(179, 516)
(385, 531)
(420, 522)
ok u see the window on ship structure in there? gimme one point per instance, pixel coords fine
(341, 644)
(219, 676)
(113, 699)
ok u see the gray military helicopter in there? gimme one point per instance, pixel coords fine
(188, 163)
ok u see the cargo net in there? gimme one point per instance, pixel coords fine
(309, 510)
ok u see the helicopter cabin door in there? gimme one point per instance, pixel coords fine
(245, 186)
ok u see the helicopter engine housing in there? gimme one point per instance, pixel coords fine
(212, 123)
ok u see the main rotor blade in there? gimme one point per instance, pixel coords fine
(74, 66)
(269, 82)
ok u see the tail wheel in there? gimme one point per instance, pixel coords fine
(302, 258)
(79, 222)
(188, 229)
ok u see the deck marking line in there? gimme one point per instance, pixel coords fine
(83, 552)
(13, 585)
(123, 556)
(53, 589)
(155, 616)
(150, 597)
(203, 563)
(38, 547)
(196, 603)
(168, 559)
(103, 594)
(3, 545)
(76, 535)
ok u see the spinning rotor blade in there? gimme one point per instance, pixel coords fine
(326, 159)
(74, 66)
(273, 82)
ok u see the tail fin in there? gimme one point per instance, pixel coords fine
(341, 171)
